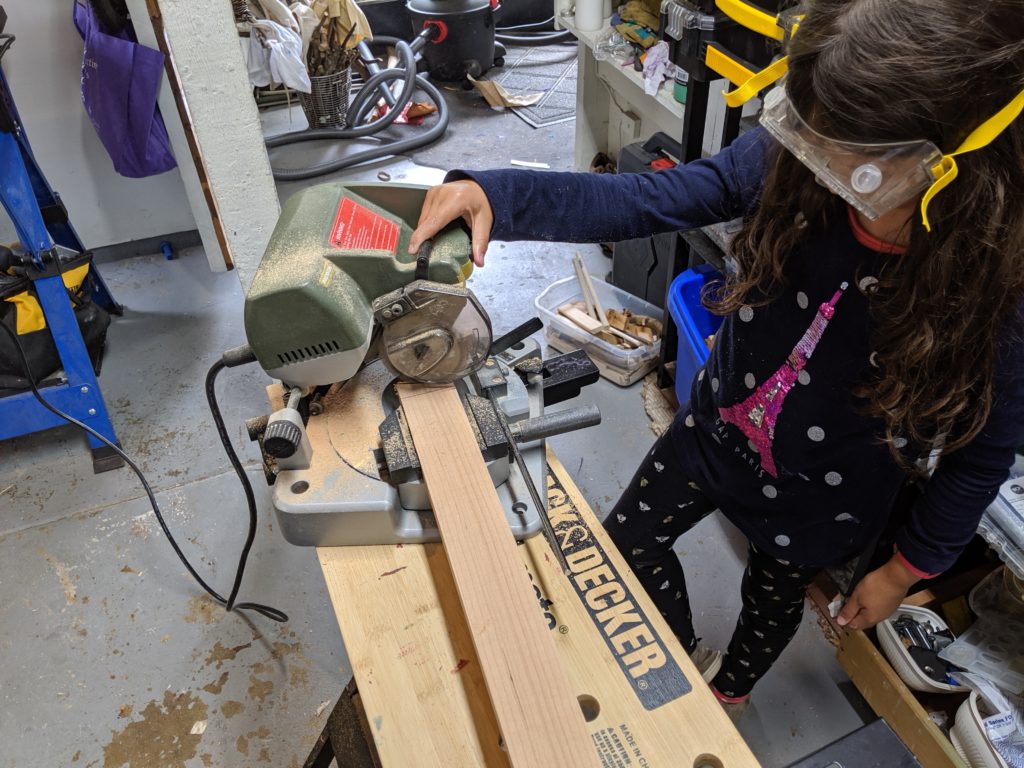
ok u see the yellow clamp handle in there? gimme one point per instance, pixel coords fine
(757, 83)
(727, 65)
(752, 18)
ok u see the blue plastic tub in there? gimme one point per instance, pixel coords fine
(694, 324)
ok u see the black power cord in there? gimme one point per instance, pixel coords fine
(229, 604)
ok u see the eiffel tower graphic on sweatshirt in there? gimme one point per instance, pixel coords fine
(757, 415)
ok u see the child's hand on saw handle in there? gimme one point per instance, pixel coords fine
(447, 202)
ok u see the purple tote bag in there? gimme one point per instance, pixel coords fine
(120, 81)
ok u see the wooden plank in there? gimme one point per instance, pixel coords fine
(174, 111)
(538, 714)
(889, 696)
(232, 193)
(821, 593)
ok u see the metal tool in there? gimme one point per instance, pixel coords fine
(539, 503)
(923, 642)
(337, 310)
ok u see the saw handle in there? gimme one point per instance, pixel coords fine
(423, 260)
(516, 335)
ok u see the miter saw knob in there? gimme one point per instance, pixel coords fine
(282, 439)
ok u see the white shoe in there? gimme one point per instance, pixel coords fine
(707, 660)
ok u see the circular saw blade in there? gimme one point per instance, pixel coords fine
(433, 333)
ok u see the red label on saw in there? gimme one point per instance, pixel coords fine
(358, 228)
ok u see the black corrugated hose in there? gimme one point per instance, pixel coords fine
(360, 107)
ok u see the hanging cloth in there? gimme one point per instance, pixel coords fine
(120, 82)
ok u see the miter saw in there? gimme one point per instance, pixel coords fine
(338, 311)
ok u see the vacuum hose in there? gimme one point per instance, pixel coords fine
(539, 33)
(363, 104)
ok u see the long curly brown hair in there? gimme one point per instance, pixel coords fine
(887, 70)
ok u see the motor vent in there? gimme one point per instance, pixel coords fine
(300, 354)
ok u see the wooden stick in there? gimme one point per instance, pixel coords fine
(540, 718)
(587, 285)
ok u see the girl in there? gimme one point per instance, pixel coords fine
(877, 313)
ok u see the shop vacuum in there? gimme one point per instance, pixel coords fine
(469, 40)
(464, 37)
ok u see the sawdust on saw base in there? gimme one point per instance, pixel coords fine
(354, 413)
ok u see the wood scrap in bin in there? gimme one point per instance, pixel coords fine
(624, 330)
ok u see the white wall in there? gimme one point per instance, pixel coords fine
(44, 71)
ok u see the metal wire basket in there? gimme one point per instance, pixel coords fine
(327, 105)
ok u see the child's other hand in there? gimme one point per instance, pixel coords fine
(447, 202)
(877, 596)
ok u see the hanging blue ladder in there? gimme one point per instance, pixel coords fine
(42, 224)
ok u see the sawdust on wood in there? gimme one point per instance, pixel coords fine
(162, 737)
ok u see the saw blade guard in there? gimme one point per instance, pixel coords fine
(433, 333)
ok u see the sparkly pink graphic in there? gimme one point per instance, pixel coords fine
(757, 415)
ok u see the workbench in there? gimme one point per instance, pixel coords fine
(423, 693)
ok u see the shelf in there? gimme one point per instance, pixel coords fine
(589, 38)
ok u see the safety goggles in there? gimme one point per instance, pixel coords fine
(874, 178)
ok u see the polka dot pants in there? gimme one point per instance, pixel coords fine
(658, 507)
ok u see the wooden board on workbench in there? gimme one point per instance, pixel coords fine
(420, 681)
(536, 709)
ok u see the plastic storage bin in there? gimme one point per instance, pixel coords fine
(970, 737)
(622, 366)
(694, 324)
(900, 658)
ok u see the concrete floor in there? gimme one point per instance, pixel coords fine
(111, 655)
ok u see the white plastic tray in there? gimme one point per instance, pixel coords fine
(900, 657)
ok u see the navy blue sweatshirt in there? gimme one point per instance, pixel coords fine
(783, 449)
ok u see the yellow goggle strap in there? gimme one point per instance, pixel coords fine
(757, 83)
(981, 137)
